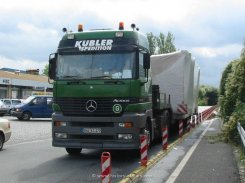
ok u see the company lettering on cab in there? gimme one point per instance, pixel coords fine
(91, 45)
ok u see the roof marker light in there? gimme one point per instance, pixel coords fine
(119, 34)
(133, 26)
(70, 36)
(64, 30)
(80, 27)
(121, 25)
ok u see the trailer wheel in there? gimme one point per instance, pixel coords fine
(168, 119)
(73, 151)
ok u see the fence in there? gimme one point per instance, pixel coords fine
(241, 132)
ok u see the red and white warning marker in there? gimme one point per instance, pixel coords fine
(165, 138)
(106, 167)
(143, 150)
(181, 126)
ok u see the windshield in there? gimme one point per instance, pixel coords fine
(26, 101)
(96, 66)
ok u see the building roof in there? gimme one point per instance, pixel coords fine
(22, 76)
(12, 70)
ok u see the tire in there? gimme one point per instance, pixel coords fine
(26, 116)
(20, 118)
(73, 151)
(148, 133)
(1, 141)
(167, 121)
(9, 112)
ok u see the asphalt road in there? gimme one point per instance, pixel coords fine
(212, 161)
(30, 158)
(199, 158)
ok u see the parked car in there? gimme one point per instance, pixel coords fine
(5, 131)
(7, 105)
(3, 109)
(36, 106)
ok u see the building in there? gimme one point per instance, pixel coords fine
(21, 84)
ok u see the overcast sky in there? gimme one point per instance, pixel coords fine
(212, 30)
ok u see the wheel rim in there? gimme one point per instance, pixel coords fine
(25, 116)
(147, 133)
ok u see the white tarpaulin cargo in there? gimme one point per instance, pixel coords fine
(196, 87)
(174, 73)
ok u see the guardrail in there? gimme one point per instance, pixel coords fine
(206, 114)
(241, 132)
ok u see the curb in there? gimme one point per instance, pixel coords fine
(139, 172)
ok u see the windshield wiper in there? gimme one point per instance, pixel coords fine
(72, 77)
(103, 76)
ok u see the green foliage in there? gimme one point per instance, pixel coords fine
(45, 71)
(169, 44)
(233, 88)
(225, 74)
(230, 129)
(232, 98)
(207, 95)
(161, 44)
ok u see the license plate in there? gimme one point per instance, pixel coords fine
(91, 130)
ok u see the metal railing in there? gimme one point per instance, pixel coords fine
(241, 132)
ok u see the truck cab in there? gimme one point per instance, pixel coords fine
(34, 107)
(101, 89)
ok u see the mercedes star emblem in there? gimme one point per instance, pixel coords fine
(91, 105)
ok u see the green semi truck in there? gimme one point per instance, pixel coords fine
(103, 90)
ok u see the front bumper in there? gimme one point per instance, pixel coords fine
(7, 136)
(107, 139)
(3, 111)
(16, 114)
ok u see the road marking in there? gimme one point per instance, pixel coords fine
(29, 142)
(180, 167)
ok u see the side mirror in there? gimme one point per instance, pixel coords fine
(52, 65)
(146, 61)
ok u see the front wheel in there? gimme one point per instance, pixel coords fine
(73, 151)
(26, 116)
(1, 141)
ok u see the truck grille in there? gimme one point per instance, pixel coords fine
(77, 106)
(92, 124)
(91, 137)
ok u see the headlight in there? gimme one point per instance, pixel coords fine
(61, 135)
(59, 123)
(18, 110)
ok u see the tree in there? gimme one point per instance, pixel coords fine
(232, 87)
(207, 95)
(45, 71)
(225, 75)
(152, 42)
(232, 100)
(169, 44)
(161, 44)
